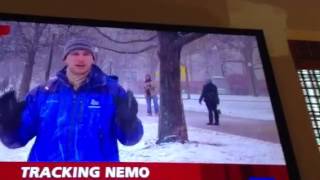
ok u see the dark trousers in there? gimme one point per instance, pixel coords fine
(213, 107)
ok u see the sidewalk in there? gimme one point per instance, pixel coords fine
(257, 129)
(247, 107)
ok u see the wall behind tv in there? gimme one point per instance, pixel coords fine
(279, 20)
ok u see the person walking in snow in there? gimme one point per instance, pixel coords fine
(210, 96)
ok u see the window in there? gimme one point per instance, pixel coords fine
(310, 83)
(306, 55)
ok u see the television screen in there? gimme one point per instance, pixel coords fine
(201, 96)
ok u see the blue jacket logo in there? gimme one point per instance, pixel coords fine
(94, 104)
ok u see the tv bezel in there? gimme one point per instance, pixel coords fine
(282, 128)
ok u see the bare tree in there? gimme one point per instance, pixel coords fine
(30, 34)
(247, 51)
(246, 46)
(172, 124)
(146, 43)
(48, 69)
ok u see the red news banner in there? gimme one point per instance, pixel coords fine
(156, 171)
(4, 30)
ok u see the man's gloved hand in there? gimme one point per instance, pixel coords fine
(10, 112)
(132, 103)
(127, 111)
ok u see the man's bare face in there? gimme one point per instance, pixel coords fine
(79, 62)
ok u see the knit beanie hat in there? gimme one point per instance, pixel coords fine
(78, 44)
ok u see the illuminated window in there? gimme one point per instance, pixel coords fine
(310, 83)
(306, 55)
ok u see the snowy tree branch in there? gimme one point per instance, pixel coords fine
(128, 52)
(125, 42)
(23, 35)
(185, 39)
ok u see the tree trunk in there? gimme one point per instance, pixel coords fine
(27, 75)
(247, 53)
(47, 76)
(172, 124)
(31, 42)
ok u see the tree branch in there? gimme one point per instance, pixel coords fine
(128, 52)
(23, 35)
(37, 36)
(185, 39)
(125, 42)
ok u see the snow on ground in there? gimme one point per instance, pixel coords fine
(258, 108)
(20, 154)
(205, 146)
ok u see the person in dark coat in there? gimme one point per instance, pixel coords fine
(210, 96)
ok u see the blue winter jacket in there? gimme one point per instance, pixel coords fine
(77, 125)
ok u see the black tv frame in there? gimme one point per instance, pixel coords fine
(282, 128)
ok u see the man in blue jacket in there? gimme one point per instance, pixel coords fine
(79, 116)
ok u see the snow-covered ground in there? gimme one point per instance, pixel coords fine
(258, 108)
(20, 154)
(205, 146)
